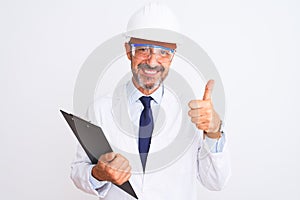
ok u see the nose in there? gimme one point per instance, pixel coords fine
(152, 60)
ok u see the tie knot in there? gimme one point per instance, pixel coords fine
(146, 101)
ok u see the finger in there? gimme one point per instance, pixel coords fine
(200, 120)
(119, 163)
(124, 178)
(203, 126)
(125, 172)
(108, 157)
(194, 113)
(122, 165)
(128, 169)
(208, 89)
(196, 104)
(204, 111)
(120, 176)
(125, 167)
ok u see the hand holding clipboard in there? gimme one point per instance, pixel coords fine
(112, 167)
(95, 144)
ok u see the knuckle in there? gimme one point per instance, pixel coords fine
(127, 169)
(110, 170)
(110, 155)
(191, 103)
(126, 162)
(115, 176)
(207, 119)
(101, 166)
(209, 111)
(200, 120)
(195, 120)
(120, 181)
(121, 170)
(195, 113)
(192, 120)
(201, 112)
(121, 158)
(102, 158)
(127, 177)
(106, 156)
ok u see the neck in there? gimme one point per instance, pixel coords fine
(143, 90)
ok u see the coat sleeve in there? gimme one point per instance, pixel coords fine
(213, 168)
(81, 175)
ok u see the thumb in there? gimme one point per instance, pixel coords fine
(208, 89)
(108, 157)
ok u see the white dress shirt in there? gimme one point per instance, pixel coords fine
(169, 174)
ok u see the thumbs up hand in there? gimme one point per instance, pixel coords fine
(203, 115)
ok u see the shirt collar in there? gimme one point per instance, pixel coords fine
(134, 94)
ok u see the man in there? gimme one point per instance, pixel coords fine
(142, 100)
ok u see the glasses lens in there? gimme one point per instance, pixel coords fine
(144, 51)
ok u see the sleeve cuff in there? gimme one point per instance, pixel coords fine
(215, 145)
(102, 187)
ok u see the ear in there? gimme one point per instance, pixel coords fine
(127, 48)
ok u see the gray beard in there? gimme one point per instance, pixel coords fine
(148, 86)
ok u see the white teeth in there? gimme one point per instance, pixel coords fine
(150, 71)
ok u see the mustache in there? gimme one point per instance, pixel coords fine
(158, 68)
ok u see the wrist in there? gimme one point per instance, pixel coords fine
(94, 173)
(214, 134)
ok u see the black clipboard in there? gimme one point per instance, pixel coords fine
(94, 142)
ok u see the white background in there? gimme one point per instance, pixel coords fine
(254, 44)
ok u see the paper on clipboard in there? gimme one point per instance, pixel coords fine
(94, 142)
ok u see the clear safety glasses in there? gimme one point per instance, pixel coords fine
(144, 51)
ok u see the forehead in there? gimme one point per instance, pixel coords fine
(142, 41)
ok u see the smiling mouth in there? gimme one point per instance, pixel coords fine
(150, 72)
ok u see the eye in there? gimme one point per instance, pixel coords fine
(143, 49)
(164, 52)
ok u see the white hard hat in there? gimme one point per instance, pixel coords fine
(155, 21)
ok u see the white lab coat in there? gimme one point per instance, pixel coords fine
(174, 180)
